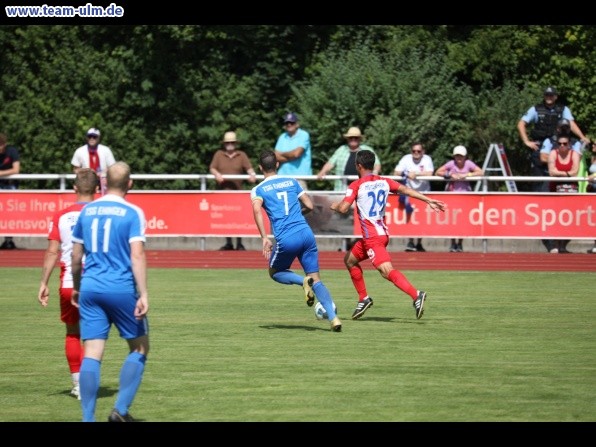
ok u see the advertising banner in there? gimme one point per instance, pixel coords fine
(219, 213)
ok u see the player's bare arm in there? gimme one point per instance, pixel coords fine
(436, 205)
(257, 205)
(77, 268)
(49, 261)
(306, 204)
(341, 207)
(139, 270)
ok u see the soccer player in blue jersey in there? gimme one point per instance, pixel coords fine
(286, 203)
(110, 233)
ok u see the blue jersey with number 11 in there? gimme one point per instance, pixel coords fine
(106, 227)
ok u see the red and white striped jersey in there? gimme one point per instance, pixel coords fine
(60, 230)
(370, 194)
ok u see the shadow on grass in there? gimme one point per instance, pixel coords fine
(392, 320)
(103, 392)
(294, 326)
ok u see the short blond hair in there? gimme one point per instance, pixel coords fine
(118, 176)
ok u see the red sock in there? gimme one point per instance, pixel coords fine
(403, 284)
(358, 281)
(74, 352)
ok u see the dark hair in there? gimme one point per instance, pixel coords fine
(563, 132)
(366, 158)
(268, 161)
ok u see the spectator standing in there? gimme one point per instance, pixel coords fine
(110, 233)
(231, 161)
(544, 117)
(343, 162)
(60, 249)
(286, 203)
(457, 171)
(94, 156)
(563, 162)
(370, 194)
(591, 187)
(410, 167)
(10, 164)
(293, 150)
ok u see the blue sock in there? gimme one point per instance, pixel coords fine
(324, 297)
(131, 375)
(288, 277)
(89, 386)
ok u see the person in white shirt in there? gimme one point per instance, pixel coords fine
(410, 167)
(94, 156)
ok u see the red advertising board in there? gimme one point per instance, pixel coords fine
(214, 213)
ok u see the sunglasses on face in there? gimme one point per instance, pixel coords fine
(416, 152)
(89, 137)
(289, 123)
(563, 143)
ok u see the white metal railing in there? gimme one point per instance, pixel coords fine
(203, 178)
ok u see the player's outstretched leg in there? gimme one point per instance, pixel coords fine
(362, 307)
(419, 304)
(309, 295)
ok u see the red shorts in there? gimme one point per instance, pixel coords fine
(69, 314)
(374, 248)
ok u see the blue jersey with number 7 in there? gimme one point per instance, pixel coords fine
(281, 201)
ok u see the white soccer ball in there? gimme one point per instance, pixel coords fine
(320, 311)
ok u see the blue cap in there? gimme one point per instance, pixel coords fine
(290, 118)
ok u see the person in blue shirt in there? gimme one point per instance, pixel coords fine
(544, 117)
(293, 150)
(285, 202)
(110, 234)
(563, 128)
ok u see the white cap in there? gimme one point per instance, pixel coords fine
(93, 131)
(460, 150)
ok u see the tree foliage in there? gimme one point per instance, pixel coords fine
(163, 95)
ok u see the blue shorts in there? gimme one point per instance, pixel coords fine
(99, 311)
(301, 246)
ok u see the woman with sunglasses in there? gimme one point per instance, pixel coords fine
(592, 184)
(563, 162)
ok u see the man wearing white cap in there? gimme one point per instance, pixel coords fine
(457, 171)
(94, 156)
